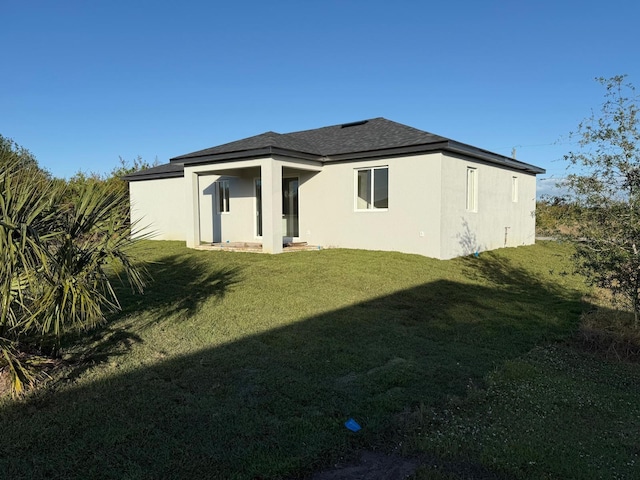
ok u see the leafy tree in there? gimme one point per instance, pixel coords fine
(11, 151)
(554, 215)
(605, 183)
(112, 181)
(58, 256)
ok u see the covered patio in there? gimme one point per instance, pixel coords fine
(258, 210)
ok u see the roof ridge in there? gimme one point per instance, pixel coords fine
(367, 138)
(272, 137)
(336, 125)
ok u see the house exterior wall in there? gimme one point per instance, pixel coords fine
(158, 207)
(328, 215)
(427, 212)
(207, 200)
(498, 220)
(237, 225)
(203, 223)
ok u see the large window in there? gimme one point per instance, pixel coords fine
(223, 196)
(372, 185)
(472, 189)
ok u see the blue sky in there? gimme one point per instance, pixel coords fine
(84, 82)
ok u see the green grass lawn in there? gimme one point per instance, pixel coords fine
(237, 365)
(552, 413)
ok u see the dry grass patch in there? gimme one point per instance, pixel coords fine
(610, 333)
(607, 328)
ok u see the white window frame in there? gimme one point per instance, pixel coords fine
(472, 189)
(223, 200)
(514, 189)
(370, 206)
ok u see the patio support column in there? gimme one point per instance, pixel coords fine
(193, 208)
(271, 173)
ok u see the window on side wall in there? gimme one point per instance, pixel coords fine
(372, 188)
(472, 189)
(223, 196)
(514, 189)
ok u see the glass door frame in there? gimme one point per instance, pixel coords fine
(291, 225)
(257, 196)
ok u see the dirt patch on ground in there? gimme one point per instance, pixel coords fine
(378, 466)
(5, 382)
(372, 466)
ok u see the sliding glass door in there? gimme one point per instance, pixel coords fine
(289, 207)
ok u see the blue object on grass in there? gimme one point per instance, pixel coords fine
(352, 425)
(477, 254)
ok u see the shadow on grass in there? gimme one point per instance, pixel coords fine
(273, 405)
(178, 287)
(500, 271)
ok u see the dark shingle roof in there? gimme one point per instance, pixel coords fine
(375, 137)
(367, 135)
(268, 139)
(167, 170)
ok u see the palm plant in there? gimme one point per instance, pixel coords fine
(58, 256)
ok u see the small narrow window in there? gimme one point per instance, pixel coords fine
(514, 189)
(372, 188)
(472, 189)
(223, 196)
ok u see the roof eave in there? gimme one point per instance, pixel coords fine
(135, 177)
(386, 152)
(447, 146)
(245, 155)
(464, 149)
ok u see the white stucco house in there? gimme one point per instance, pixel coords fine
(373, 184)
